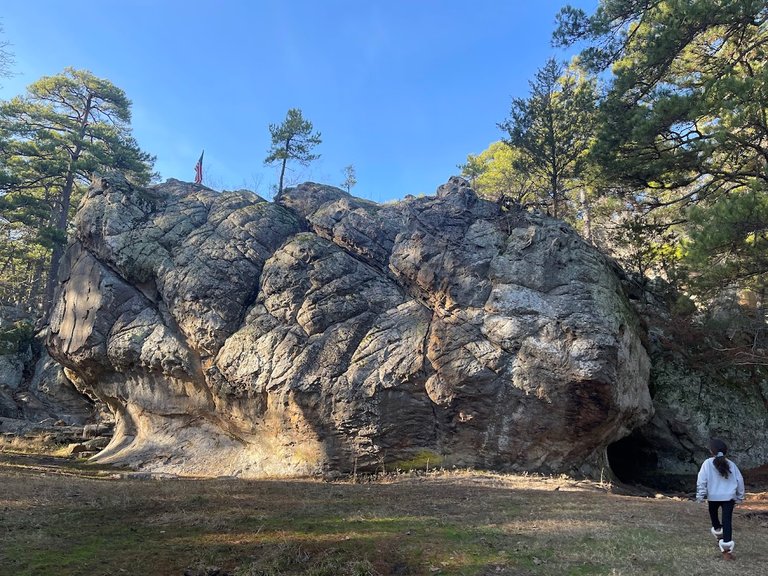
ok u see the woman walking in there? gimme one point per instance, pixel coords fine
(720, 482)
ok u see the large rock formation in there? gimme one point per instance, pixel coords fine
(32, 386)
(321, 332)
(704, 383)
(16, 329)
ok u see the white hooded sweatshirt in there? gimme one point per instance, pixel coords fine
(712, 486)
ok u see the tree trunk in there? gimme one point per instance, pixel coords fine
(282, 173)
(63, 216)
(587, 215)
(555, 197)
(50, 285)
(61, 224)
(33, 300)
(760, 317)
(285, 161)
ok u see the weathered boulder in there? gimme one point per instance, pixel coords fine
(52, 393)
(16, 329)
(701, 388)
(321, 332)
(32, 385)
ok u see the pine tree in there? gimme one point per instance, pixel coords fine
(64, 128)
(684, 125)
(496, 174)
(292, 140)
(553, 130)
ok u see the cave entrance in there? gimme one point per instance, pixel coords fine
(633, 460)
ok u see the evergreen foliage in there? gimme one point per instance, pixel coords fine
(495, 174)
(16, 336)
(292, 140)
(728, 242)
(552, 130)
(65, 128)
(683, 127)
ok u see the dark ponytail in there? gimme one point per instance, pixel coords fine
(719, 450)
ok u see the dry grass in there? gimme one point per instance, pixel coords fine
(74, 520)
(34, 444)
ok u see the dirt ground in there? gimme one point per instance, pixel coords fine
(63, 518)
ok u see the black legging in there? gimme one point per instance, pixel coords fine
(726, 524)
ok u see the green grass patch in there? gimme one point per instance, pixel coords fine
(423, 460)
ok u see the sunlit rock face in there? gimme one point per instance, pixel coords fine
(324, 333)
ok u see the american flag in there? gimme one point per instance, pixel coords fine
(199, 169)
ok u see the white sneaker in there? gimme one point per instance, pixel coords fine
(717, 533)
(727, 549)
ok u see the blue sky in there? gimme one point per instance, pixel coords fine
(402, 90)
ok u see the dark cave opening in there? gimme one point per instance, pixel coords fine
(633, 460)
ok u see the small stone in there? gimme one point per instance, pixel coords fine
(75, 449)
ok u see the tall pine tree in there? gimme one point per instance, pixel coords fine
(552, 130)
(65, 128)
(684, 122)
